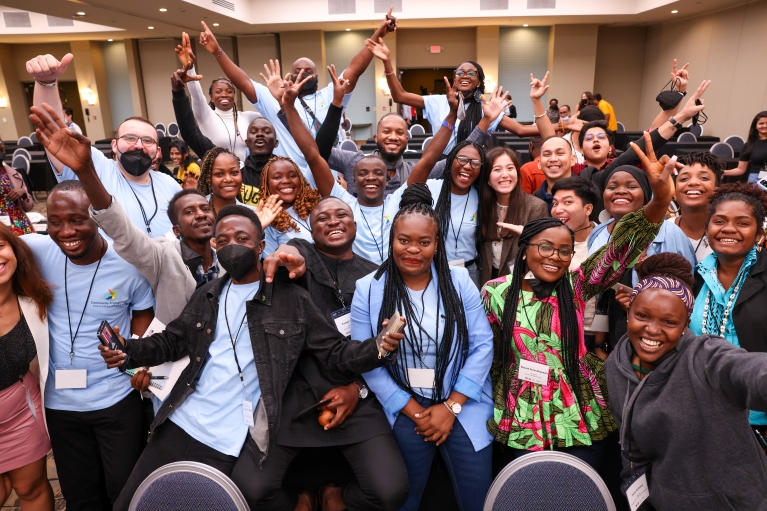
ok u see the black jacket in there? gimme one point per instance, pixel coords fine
(283, 323)
(749, 309)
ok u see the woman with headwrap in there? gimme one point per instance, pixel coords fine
(549, 391)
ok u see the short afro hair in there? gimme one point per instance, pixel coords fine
(704, 159)
(749, 193)
(172, 213)
(239, 210)
(667, 264)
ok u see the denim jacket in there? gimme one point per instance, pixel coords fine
(283, 323)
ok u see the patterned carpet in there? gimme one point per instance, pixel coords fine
(12, 503)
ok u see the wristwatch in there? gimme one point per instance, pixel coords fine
(363, 390)
(674, 123)
(454, 407)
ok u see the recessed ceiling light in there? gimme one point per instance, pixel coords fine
(215, 24)
(525, 25)
(674, 11)
(163, 9)
(348, 29)
(150, 28)
(81, 13)
(110, 40)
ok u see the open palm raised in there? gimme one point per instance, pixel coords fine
(71, 149)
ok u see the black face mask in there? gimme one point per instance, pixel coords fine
(136, 162)
(669, 99)
(541, 289)
(237, 260)
(310, 87)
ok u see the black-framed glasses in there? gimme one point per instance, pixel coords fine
(547, 250)
(133, 140)
(460, 73)
(463, 161)
(598, 136)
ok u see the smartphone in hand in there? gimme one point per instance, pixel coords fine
(109, 338)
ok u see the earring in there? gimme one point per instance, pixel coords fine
(524, 257)
(477, 95)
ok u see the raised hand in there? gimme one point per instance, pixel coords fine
(658, 171)
(208, 40)
(574, 124)
(46, 68)
(680, 76)
(690, 108)
(389, 23)
(494, 104)
(71, 149)
(288, 257)
(184, 51)
(293, 89)
(452, 95)
(273, 80)
(268, 210)
(339, 86)
(538, 87)
(378, 48)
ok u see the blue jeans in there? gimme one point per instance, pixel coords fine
(469, 470)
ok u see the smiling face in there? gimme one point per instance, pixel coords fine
(569, 208)
(549, 268)
(596, 146)
(503, 175)
(761, 127)
(656, 321)
(694, 185)
(195, 218)
(261, 139)
(226, 179)
(466, 83)
(414, 243)
(623, 195)
(283, 181)
(222, 95)
(370, 181)
(8, 262)
(391, 137)
(464, 175)
(176, 156)
(732, 230)
(333, 226)
(557, 158)
(70, 225)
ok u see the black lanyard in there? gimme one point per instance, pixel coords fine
(69, 316)
(301, 223)
(232, 339)
(468, 196)
(338, 291)
(421, 329)
(372, 235)
(143, 213)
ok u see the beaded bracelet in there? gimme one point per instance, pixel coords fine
(220, 53)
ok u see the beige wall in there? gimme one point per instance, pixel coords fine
(13, 122)
(158, 63)
(488, 43)
(572, 61)
(382, 100)
(89, 69)
(136, 77)
(619, 71)
(24, 52)
(305, 44)
(458, 46)
(727, 47)
(253, 52)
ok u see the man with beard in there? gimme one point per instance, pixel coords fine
(144, 195)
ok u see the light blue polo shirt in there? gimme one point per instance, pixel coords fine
(436, 108)
(117, 289)
(213, 413)
(460, 241)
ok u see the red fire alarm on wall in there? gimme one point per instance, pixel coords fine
(435, 49)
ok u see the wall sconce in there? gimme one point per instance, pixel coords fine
(384, 86)
(3, 102)
(88, 95)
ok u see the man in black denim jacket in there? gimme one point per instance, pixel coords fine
(282, 322)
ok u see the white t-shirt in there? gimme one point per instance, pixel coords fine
(118, 288)
(578, 155)
(153, 198)
(700, 246)
(436, 108)
(275, 238)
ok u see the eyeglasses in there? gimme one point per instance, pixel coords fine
(598, 136)
(133, 140)
(463, 160)
(546, 250)
(461, 73)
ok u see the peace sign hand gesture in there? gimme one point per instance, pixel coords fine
(339, 86)
(681, 77)
(452, 95)
(293, 89)
(658, 171)
(378, 48)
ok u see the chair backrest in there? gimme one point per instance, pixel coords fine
(687, 137)
(23, 152)
(21, 163)
(426, 142)
(621, 127)
(173, 130)
(24, 142)
(736, 142)
(188, 486)
(349, 145)
(160, 134)
(33, 138)
(159, 126)
(417, 129)
(696, 129)
(722, 150)
(548, 480)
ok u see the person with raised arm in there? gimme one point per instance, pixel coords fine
(144, 195)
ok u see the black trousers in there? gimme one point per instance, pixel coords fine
(95, 452)
(170, 443)
(381, 477)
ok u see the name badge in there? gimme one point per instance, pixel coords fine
(247, 413)
(71, 378)
(343, 320)
(534, 372)
(638, 492)
(421, 378)
(457, 262)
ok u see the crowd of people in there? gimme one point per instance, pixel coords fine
(557, 305)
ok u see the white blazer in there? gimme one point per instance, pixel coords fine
(39, 329)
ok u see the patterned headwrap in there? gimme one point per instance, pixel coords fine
(669, 284)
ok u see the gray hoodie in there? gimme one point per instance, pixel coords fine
(689, 421)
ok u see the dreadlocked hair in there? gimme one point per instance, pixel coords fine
(444, 200)
(234, 103)
(205, 181)
(568, 319)
(417, 200)
(474, 111)
(306, 198)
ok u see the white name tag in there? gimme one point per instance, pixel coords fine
(421, 378)
(457, 262)
(71, 378)
(247, 413)
(343, 321)
(638, 492)
(534, 372)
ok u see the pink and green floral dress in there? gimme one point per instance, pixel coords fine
(534, 416)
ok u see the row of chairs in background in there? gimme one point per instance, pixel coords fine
(28, 141)
(171, 131)
(535, 482)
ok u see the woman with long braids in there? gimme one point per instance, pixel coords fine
(550, 392)
(220, 178)
(440, 371)
(218, 118)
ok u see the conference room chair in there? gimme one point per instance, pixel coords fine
(188, 486)
(736, 142)
(417, 129)
(696, 129)
(687, 137)
(621, 127)
(548, 480)
(33, 138)
(160, 127)
(722, 150)
(426, 142)
(160, 134)
(23, 152)
(349, 145)
(24, 142)
(173, 130)
(20, 163)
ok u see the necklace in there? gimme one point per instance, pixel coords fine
(726, 309)
(702, 237)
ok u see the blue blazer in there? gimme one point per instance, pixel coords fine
(473, 378)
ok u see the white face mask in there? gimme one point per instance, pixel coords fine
(566, 117)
